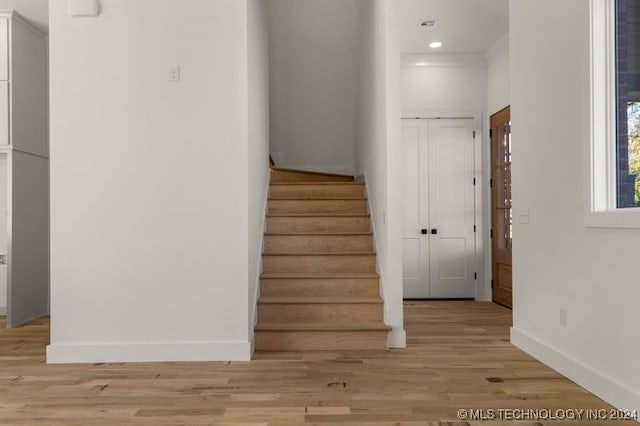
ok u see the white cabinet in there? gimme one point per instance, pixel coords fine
(4, 48)
(24, 170)
(4, 112)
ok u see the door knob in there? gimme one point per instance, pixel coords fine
(434, 232)
(424, 232)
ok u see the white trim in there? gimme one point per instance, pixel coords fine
(410, 114)
(596, 382)
(3, 311)
(442, 60)
(600, 147)
(254, 305)
(397, 337)
(482, 294)
(149, 352)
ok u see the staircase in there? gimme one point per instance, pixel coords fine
(319, 289)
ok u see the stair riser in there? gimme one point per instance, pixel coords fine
(342, 264)
(315, 244)
(345, 313)
(320, 340)
(317, 206)
(313, 287)
(316, 191)
(293, 176)
(317, 224)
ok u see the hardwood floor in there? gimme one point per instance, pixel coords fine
(458, 356)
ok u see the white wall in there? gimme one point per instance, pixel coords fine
(557, 261)
(447, 85)
(498, 76)
(36, 11)
(149, 182)
(258, 39)
(313, 51)
(378, 136)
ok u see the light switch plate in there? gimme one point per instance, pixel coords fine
(525, 217)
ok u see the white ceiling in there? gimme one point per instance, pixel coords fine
(464, 26)
(36, 11)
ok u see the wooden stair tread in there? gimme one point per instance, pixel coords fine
(324, 253)
(274, 300)
(318, 215)
(317, 275)
(317, 183)
(317, 234)
(315, 198)
(311, 172)
(366, 326)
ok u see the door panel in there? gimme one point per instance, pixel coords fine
(415, 246)
(438, 197)
(452, 208)
(502, 214)
(28, 281)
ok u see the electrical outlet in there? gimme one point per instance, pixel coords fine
(174, 74)
(563, 317)
(525, 217)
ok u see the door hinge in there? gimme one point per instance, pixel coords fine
(474, 134)
(475, 228)
(492, 284)
(490, 133)
(491, 234)
(474, 181)
(490, 183)
(475, 275)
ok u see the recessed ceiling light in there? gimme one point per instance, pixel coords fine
(435, 44)
(421, 64)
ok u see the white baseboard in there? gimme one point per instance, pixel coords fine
(253, 306)
(484, 295)
(148, 352)
(596, 382)
(3, 311)
(397, 338)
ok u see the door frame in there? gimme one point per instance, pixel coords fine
(479, 204)
(492, 213)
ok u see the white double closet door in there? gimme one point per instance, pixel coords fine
(439, 209)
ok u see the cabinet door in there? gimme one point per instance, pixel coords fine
(4, 113)
(4, 49)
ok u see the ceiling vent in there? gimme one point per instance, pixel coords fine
(428, 23)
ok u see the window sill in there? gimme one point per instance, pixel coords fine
(622, 218)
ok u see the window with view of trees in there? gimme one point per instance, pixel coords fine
(628, 102)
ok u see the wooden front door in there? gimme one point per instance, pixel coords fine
(502, 213)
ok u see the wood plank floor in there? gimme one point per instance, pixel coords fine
(458, 356)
